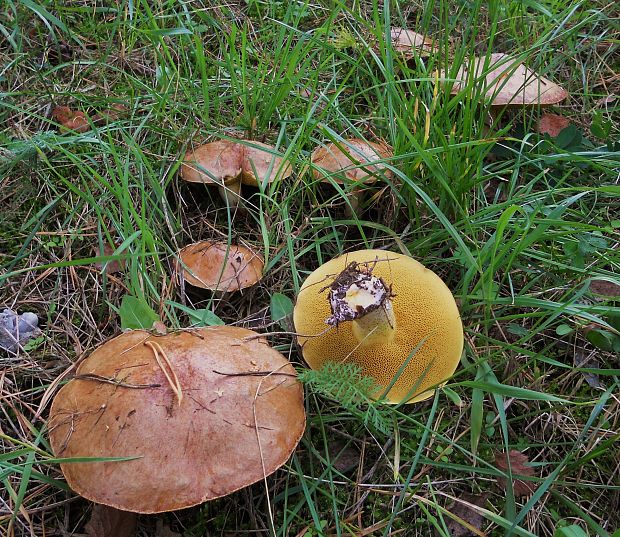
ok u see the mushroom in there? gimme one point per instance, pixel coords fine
(228, 164)
(387, 313)
(409, 43)
(194, 415)
(509, 83)
(220, 266)
(353, 162)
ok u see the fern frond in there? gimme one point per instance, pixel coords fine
(346, 384)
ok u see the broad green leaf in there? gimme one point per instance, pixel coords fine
(570, 531)
(281, 307)
(136, 313)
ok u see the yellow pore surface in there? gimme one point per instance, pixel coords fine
(426, 316)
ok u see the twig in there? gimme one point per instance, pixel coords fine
(116, 382)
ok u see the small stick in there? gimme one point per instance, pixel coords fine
(115, 382)
(171, 377)
(254, 374)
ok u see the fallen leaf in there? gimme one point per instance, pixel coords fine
(604, 101)
(109, 522)
(163, 530)
(605, 288)
(343, 458)
(159, 328)
(74, 120)
(113, 266)
(115, 112)
(468, 515)
(552, 124)
(518, 466)
(588, 362)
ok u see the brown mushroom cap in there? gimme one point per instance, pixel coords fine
(259, 158)
(224, 161)
(357, 160)
(218, 162)
(227, 432)
(409, 43)
(219, 266)
(510, 83)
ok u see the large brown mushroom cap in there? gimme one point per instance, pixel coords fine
(227, 432)
(217, 162)
(427, 319)
(356, 161)
(510, 83)
(409, 43)
(219, 266)
(224, 161)
(261, 164)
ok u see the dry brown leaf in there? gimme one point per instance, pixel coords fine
(74, 120)
(159, 328)
(468, 515)
(115, 112)
(552, 124)
(112, 266)
(605, 288)
(109, 522)
(518, 462)
(343, 458)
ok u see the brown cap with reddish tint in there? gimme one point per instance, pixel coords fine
(220, 266)
(353, 159)
(261, 164)
(224, 161)
(234, 416)
(510, 83)
(410, 43)
(218, 162)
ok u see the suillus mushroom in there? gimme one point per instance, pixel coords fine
(508, 82)
(228, 164)
(386, 312)
(353, 163)
(194, 414)
(219, 266)
(410, 43)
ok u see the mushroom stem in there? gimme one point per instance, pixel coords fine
(356, 295)
(354, 200)
(377, 326)
(230, 192)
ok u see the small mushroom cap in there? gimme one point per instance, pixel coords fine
(219, 266)
(260, 164)
(410, 43)
(216, 162)
(224, 161)
(510, 83)
(426, 316)
(227, 433)
(354, 160)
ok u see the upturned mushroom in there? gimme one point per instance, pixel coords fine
(219, 266)
(386, 312)
(352, 163)
(194, 414)
(507, 82)
(229, 164)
